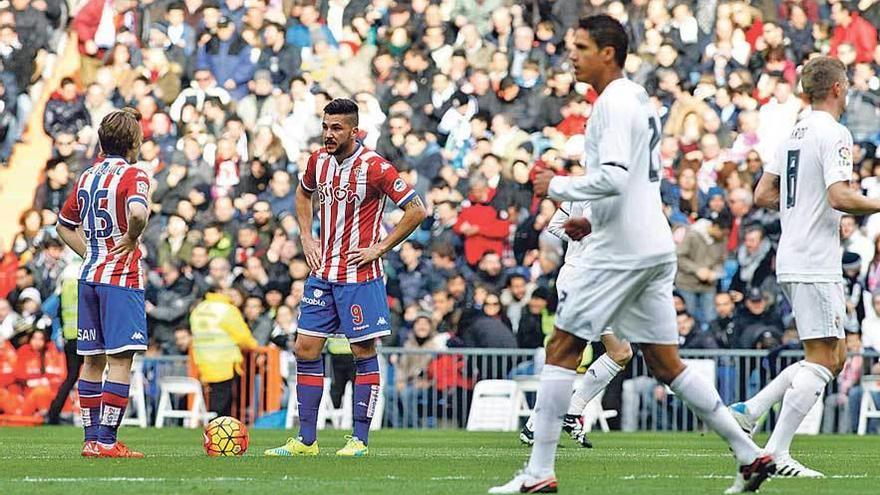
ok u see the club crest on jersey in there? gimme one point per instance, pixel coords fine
(399, 185)
(845, 154)
(143, 188)
(340, 193)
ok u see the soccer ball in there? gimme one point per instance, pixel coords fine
(225, 436)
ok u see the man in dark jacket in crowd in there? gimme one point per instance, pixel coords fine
(530, 334)
(169, 297)
(52, 193)
(280, 59)
(690, 337)
(756, 318)
(722, 327)
(66, 111)
(227, 56)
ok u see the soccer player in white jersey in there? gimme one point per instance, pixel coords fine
(571, 224)
(630, 263)
(808, 182)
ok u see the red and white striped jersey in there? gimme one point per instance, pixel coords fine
(99, 203)
(351, 198)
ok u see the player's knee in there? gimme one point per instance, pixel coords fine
(305, 349)
(621, 354)
(564, 349)
(95, 363)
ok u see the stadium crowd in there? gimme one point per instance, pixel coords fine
(468, 99)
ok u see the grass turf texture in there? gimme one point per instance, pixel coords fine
(47, 461)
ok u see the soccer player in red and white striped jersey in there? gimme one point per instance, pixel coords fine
(102, 220)
(345, 293)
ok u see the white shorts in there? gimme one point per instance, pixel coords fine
(637, 304)
(819, 308)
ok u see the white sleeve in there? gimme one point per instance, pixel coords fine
(773, 164)
(555, 226)
(615, 135)
(837, 161)
(608, 181)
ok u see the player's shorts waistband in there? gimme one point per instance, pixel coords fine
(101, 284)
(341, 284)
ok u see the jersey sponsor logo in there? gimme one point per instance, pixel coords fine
(399, 185)
(342, 193)
(87, 334)
(137, 336)
(318, 293)
(314, 302)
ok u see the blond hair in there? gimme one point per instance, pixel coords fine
(120, 132)
(819, 75)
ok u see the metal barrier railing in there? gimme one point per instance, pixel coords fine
(433, 389)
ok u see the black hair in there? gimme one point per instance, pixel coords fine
(343, 106)
(607, 31)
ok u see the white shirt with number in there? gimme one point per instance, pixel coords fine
(817, 154)
(629, 229)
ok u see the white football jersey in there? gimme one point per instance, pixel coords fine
(817, 154)
(574, 253)
(630, 230)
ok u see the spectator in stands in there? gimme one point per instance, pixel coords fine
(493, 308)
(52, 193)
(852, 28)
(723, 328)
(66, 111)
(39, 370)
(219, 334)
(853, 240)
(481, 225)
(227, 56)
(170, 295)
(754, 319)
(755, 260)
(690, 336)
(257, 319)
(515, 297)
(412, 381)
(700, 257)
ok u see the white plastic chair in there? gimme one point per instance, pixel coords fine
(339, 418)
(182, 385)
(526, 385)
(868, 409)
(812, 422)
(495, 406)
(136, 413)
(594, 413)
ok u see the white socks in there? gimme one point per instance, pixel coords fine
(554, 395)
(704, 400)
(807, 386)
(774, 391)
(597, 377)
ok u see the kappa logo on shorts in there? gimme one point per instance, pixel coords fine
(137, 336)
(382, 321)
(318, 293)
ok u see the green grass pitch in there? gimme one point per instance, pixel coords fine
(401, 462)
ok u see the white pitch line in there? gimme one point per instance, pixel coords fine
(114, 479)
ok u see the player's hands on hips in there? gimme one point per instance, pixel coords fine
(541, 183)
(313, 252)
(577, 228)
(125, 247)
(365, 255)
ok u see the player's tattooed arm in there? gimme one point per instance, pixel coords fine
(767, 191)
(414, 213)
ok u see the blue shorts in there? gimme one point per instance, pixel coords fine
(111, 319)
(357, 312)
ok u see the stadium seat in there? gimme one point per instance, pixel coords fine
(182, 385)
(527, 385)
(594, 413)
(339, 418)
(868, 409)
(812, 423)
(495, 406)
(136, 413)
